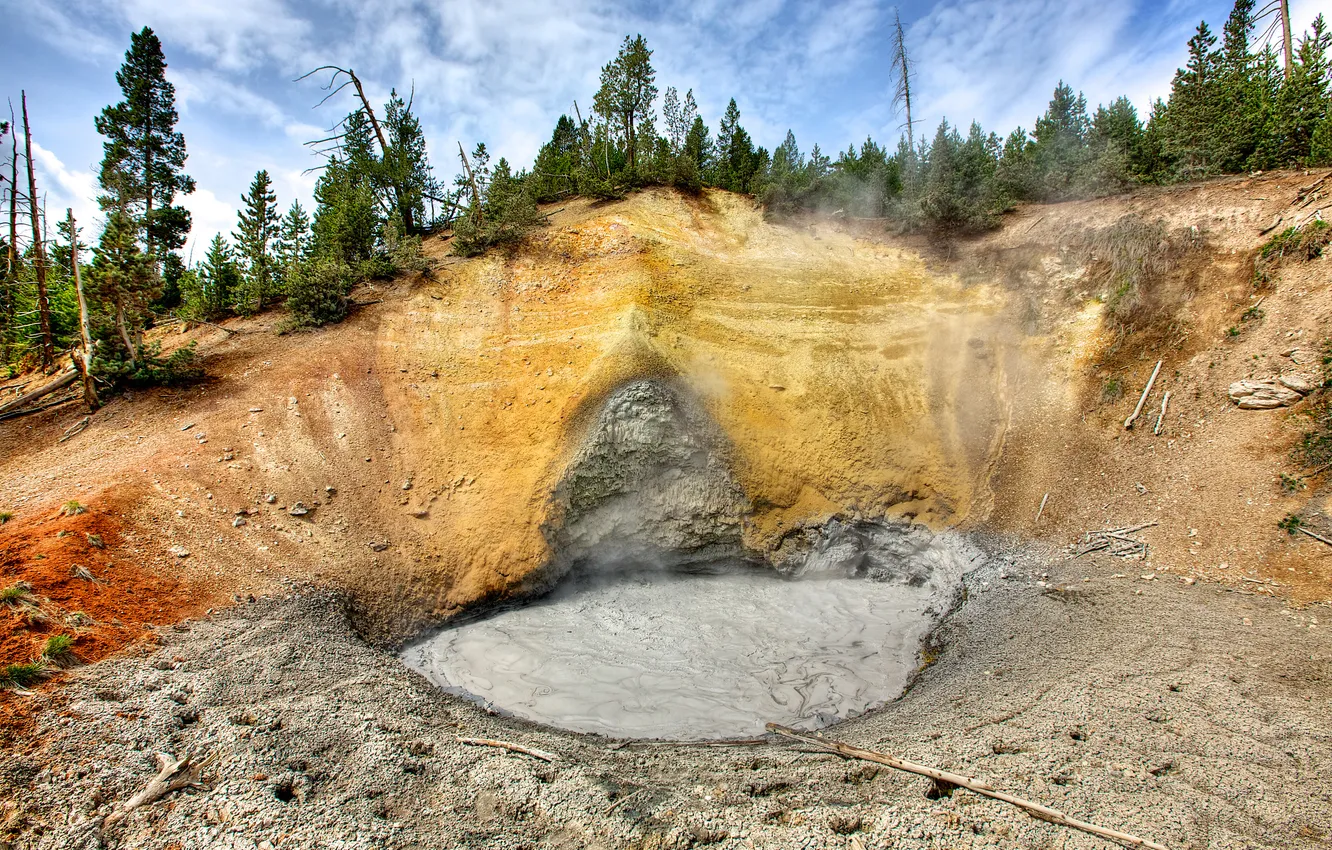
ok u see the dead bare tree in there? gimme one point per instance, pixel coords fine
(1279, 11)
(333, 87)
(11, 264)
(902, 74)
(38, 248)
(85, 357)
(478, 216)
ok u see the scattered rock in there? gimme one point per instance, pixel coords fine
(270, 498)
(407, 485)
(298, 509)
(187, 426)
(1269, 393)
(256, 410)
(238, 522)
(179, 551)
(331, 490)
(378, 545)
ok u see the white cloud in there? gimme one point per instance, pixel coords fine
(63, 188)
(209, 216)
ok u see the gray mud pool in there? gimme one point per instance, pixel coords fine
(690, 657)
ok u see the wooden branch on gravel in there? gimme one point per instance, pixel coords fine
(511, 747)
(66, 378)
(1160, 419)
(15, 414)
(75, 429)
(1128, 423)
(1036, 810)
(1044, 499)
(172, 775)
(1317, 537)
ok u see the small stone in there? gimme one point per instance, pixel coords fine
(256, 410)
(378, 545)
(1188, 580)
(298, 509)
(331, 490)
(270, 498)
(187, 426)
(407, 485)
(238, 522)
(179, 551)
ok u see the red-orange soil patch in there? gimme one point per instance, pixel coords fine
(82, 584)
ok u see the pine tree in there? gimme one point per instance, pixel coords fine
(255, 232)
(730, 122)
(1115, 146)
(406, 168)
(144, 157)
(1303, 101)
(1194, 109)
(293, 242)
(1059, 149)
(124, 280)
(209, 291)
(626, 95)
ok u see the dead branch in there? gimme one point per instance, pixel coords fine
(173, 775)
(1160, 419)
(30, 411)
(1128, 423)
(514, 748)
(75, 429)
(1036, 810)
(66, 378)
(1317, 537)
(1044, 499)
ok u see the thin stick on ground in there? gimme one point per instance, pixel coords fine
(1036, 810)
(511, 747)
(1317, 537)
(1160, 419)
(1146, 391)
(1044, 499)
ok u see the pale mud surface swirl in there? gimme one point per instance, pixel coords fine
(688, 657)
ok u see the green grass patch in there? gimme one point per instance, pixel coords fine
(72, 508)
(16, 594)
(22, 675)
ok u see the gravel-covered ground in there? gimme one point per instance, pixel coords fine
(1187, 714)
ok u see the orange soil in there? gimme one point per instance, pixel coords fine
(123, 602)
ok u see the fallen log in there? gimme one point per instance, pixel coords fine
(75, 429)
(1036, 810)
(15, 414)
(1128, 423)
(66, 378)
(511, 747)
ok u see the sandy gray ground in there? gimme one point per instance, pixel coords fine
(1187, 714)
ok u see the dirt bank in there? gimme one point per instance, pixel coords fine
(1189, 714)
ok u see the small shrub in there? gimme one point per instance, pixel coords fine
(1315, 445)
(58, 650)
(72, 508)
(21, 675)
(1290, 523)
(1112, 389)
(5, 516)
(317, 293)
(1253, 314)
(1232, 331)
(16, 594)
(1129, 258)
(1300, 244)
(1291, 483)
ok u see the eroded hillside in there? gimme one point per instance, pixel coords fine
(846, 375)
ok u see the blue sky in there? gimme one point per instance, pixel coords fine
(502, 71)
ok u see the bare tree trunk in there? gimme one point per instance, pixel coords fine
(478, 217)
(85, 327)
(1285, 34)
(408, 218)
(123, 327)
(38, 249)
(11, 268)
(903, 66)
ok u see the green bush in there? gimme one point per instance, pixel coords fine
(317, 293)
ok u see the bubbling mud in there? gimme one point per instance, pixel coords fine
(655, 653)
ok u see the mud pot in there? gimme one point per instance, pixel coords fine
(648, 653)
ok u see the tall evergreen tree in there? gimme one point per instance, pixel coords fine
(255, 233)
(1194, 109)
(1059, 150)
(208, 293)
(144, 156)
(406, 168)
(626, 95)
